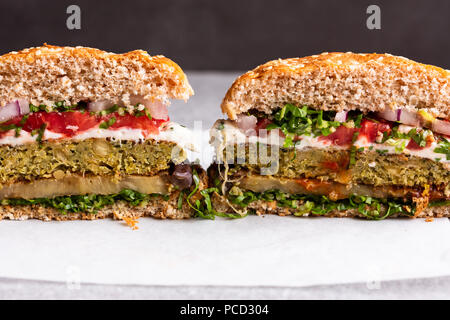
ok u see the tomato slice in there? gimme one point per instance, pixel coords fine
(370, 129)
(412, 145)
(150, 126)
(66, 123)
(343, 136)
(71, 123)
(34, 121)
(262, 124)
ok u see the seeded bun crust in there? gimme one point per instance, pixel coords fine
(341, 81)
(47, 74)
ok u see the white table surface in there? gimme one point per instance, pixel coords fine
(210, 88)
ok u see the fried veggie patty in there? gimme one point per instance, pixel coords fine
(371, 168)
(55, 159)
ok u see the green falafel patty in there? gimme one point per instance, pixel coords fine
(371, 168)
(54, 159)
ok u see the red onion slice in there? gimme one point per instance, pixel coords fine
(14, 109)
(98, 106)
(389, 114)
(24, 106)
(246, 123)
(17, 107)
(409, 117)
(341, 116)
(441, 126)
(401, 115)
(417, 119)
(157, 109)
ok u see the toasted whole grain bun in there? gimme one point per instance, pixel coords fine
(341, 81)
(156, 208)
(47, 74)
(262, 207)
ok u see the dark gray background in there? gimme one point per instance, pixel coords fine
(233, 34)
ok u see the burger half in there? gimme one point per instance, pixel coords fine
(336, 134)
(85, 134)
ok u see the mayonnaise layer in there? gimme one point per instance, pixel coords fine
(170, 132)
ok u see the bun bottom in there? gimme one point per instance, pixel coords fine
(264, 207)
(156, 208)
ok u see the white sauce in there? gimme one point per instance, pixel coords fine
(231, 134)
(170, 132)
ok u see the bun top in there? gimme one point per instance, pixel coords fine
(341, 81)
(47, 74)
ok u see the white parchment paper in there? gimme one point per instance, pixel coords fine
(255, 251)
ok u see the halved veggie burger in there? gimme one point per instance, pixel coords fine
(336, 134)
(85, 134)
